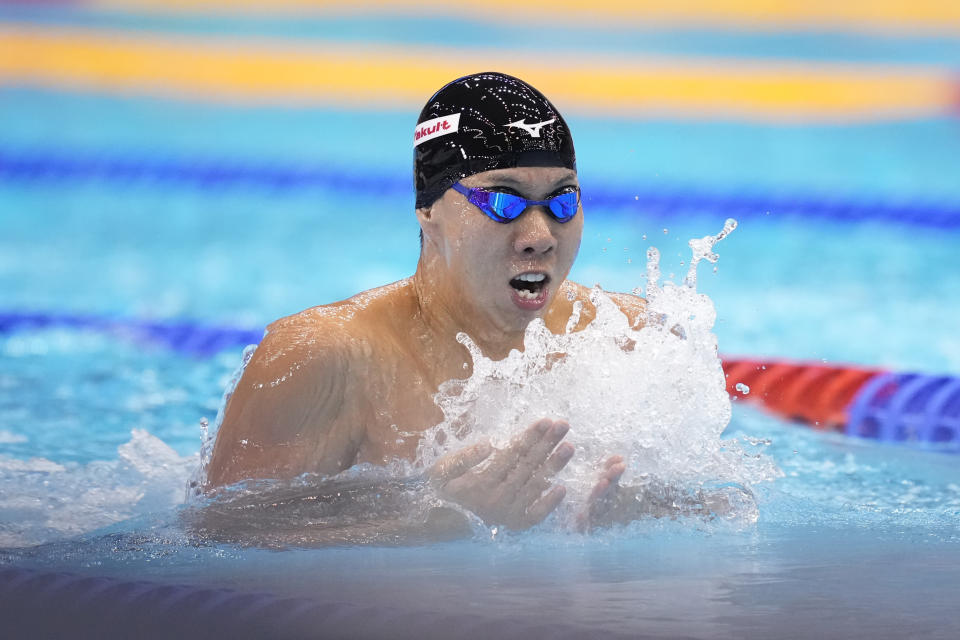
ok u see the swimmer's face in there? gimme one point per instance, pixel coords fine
(509, 272)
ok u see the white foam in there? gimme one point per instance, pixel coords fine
(8, 437)
(33, 465)
(42, 500)
(656, 395)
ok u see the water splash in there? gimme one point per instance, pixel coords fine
(198, 479)
(703, 250)
(43, 500)
(654, 394)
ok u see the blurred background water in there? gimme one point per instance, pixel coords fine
(225, 164)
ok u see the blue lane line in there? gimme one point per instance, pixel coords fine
(890, 407)
(188, 338)
(202, 174)
(45, 167)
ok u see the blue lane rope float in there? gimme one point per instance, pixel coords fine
(25, 166)
(908, 408)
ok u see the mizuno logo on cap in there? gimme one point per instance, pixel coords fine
(435, 128)
(532, 129)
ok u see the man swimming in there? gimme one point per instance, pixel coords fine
(498, 203)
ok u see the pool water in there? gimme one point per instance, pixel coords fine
(132, 207)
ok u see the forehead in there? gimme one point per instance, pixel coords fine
(523, 177)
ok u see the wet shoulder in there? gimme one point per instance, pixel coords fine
(349, 329)
(570, 293)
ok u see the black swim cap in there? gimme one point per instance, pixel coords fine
(482, 122)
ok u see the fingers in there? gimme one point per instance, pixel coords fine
(561, 456)
(507, 459)
(599, 490)
(537, 454)
(459, 462)
(612, 460)
(510, 488)
(613, 468)
(614, 471)
(539, 481)
(544, 506)
(533, 459)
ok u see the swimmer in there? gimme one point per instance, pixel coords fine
(352, 382)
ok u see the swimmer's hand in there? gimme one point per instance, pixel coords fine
(511, 490)
(602, 504)
(611, 503)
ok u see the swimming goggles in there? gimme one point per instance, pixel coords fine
(506, 207)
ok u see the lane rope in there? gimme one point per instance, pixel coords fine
(183, 337)
(903, 408)
(45, 166)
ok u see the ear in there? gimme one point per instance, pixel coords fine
(428, 222)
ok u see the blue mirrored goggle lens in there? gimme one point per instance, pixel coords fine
(504, 207)
(565, 205)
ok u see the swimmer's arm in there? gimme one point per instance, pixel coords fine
(611, 503)
(634, 307)
(320, 512)
(291, 413)
(362, 506)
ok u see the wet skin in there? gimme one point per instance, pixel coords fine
(353, 381)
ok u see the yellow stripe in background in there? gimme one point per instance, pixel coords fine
(896, 16)
(278, 72)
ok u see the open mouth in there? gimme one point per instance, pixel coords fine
(530, 286)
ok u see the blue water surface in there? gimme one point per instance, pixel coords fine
(857, 539)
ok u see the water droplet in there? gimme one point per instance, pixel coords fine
(621, 404)
(742, 388)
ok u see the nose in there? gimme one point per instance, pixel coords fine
(534, 235)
